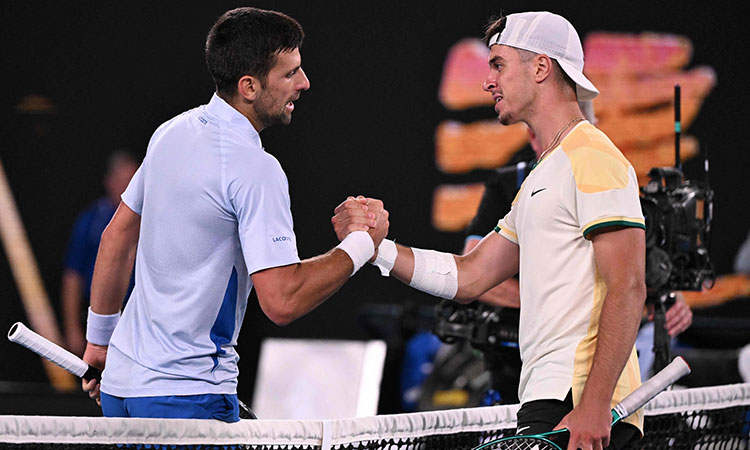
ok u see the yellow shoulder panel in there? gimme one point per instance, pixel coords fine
(597, 164)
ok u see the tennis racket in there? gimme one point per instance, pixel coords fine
(648, 390)
(20, 334)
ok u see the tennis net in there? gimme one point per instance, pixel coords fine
(711, 418)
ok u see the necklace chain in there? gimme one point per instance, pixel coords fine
(557, 136)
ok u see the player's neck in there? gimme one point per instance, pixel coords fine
(552, 125)
(246, 109)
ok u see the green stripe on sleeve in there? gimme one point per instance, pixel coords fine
(614, 223)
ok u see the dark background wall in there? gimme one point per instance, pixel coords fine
(116, 71)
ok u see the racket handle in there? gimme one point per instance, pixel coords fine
(20, 334)
(650, 388)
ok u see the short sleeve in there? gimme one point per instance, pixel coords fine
(260, 200)
(606, 192)
(133, 195)
(506, 227)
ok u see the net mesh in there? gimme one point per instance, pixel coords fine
(698, 419)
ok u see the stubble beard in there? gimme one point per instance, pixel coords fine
(506, 119)
(270, 115)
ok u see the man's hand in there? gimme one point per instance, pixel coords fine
(589, 426)
(96, 356)
(361, 214)
(380, 230)
(353, 214)
(679, 316)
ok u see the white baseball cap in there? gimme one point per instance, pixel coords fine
(552, 35)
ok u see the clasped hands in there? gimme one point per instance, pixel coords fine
(361, 214)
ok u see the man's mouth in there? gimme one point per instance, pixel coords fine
(290, 103)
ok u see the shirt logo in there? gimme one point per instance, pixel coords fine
(281, 239)
(203, 121)
(533, 193)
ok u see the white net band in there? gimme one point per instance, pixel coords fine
(97, 430)
(718, 415)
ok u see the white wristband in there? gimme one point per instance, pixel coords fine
(435, 273)
(360, 248)
(99, 327)
(386, 257)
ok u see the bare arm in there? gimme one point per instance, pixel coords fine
(114, 264)
(620, 260)
(70, 296)
(506, 293)
(289, 292)
(492, 261)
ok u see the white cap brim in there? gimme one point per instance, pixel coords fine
(585, 89)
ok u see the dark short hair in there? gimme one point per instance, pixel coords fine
(494, 26)
(246, 41)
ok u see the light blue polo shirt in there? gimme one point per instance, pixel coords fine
(214, 208)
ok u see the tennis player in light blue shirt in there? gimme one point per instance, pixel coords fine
(207, 217)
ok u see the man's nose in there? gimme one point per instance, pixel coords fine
(305, 83)
(489, 85)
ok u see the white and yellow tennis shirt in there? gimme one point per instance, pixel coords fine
(583, 184)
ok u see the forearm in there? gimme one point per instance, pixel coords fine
(472, 279)
(312, 282)
(288, 292)
(403, 268)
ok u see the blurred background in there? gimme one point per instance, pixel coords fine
(89, 78)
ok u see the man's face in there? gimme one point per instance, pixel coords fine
(283, 85)
(510, 82)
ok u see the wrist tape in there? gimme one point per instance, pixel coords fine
(99, 327)
(359, 246)
(435, 273)
(386, 257)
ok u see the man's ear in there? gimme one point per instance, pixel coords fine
(248, 87)
(542, 67)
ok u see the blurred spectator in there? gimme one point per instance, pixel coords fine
(83, 246)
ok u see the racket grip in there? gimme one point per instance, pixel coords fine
(650, 388)
(20, 334)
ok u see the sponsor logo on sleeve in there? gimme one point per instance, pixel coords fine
(276, 239)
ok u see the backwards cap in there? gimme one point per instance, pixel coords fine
(552, 35)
